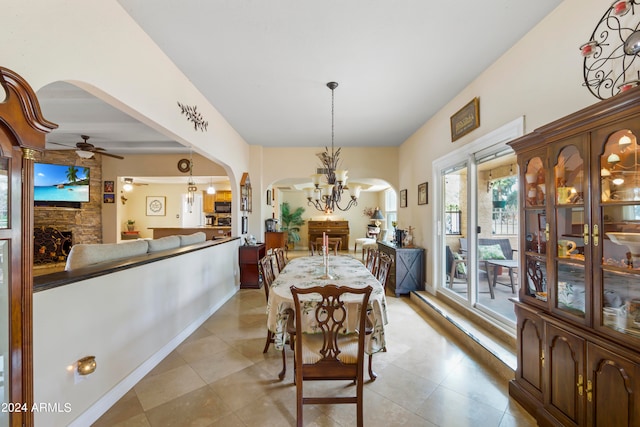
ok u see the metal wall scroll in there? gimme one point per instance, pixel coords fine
(194, 116)
(610, 55)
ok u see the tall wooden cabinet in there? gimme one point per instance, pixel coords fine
(579, 302)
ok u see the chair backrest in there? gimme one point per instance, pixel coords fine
(327, 353)
(372, 261)
(384, 265)
(279, 252)
(505, 246)
(266, 270)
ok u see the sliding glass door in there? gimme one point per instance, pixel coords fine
(455, 275)
(477, 229)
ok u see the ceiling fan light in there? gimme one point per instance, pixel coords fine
(128, 184)
(84, 154)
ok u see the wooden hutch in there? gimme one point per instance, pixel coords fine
(578, 312)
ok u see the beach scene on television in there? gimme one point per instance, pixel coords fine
(60, 183)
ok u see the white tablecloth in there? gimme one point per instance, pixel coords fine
(306, 272)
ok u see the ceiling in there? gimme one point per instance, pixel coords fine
(265, 65)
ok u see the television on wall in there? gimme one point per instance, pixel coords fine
(60, 185)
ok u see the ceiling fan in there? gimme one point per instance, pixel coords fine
(86, 150)
(128, 184)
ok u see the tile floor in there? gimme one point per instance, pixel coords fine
(220, 377)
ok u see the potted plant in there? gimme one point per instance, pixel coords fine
(291, 222)
(131, 224)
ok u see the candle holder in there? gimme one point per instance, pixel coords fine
(325, 262)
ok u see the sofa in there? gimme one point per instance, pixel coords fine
(86, 254)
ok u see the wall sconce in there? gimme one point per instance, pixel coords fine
(86, 365)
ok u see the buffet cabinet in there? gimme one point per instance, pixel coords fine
(578, 306)
(406, 273)
(248, 258)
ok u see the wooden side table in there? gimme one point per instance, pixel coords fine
(130, 235)
(248, 259)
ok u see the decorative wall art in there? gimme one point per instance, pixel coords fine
(156, 206)
(109, 198)
(423, 193)
(245, 225)
(194, 116)
(466, 119)
(403, 198)
(268, 197)
(108, 186)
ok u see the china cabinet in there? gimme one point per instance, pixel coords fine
(579, 300)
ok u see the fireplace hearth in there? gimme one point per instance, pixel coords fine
(50, 245)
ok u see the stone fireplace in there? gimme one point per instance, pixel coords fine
(50, 245)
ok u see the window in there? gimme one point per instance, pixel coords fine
(390, 208)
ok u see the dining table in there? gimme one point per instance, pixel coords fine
(305, 272)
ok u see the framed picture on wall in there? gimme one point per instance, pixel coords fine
(423, 193)
(403, 198)
(109, 198)
(108, 186)
(245, 225)
(268, 197)
(156, 206)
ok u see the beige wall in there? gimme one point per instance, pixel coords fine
(357, 220)
(539, 78)
(116, 61)
(115, 215)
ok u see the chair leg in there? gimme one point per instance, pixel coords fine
(372, 375)
(269, 341)
(284, 365)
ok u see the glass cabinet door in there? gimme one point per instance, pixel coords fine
(5, 284)
(536, 228)
(572, 284)
(619, 239)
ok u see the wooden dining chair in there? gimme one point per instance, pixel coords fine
(372, 261)
(280, 260)
(265, 265)
(384, 265)
(329, 354)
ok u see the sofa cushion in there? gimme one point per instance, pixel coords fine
(84, 254)
(190, 239)
(490, 252)
(164, 243)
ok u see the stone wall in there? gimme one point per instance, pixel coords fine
(85, 223)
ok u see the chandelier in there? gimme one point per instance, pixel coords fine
(327, 197)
